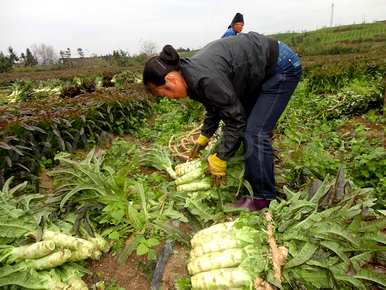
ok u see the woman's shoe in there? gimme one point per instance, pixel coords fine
(251, 203)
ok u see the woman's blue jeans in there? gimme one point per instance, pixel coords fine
(270, 103)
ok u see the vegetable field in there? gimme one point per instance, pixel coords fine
(97, 191)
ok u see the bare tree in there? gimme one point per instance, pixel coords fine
(45, 54)
(149, 48)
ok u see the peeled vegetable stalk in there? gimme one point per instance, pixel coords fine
(72, 277)
(100, 243)
(221, 279)
(33, 251)
(51, 261)
(203, 184)
(184, 168)
(219, 242)
(67, 241)
(222, 227)
(218, 253)
(191, 175)
(216, 260)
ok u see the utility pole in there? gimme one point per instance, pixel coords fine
(332, 15)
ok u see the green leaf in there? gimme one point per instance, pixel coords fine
(74, 191)
(9, 230)
(152, 254)
(117, 214)
(176, 215)
(371, 276)
(142, 249)
(352, 280)
(152, 242)
(322, 191)
(333, 231)
(306, 253)
(336, 248)
(5, 146)
(114, 235)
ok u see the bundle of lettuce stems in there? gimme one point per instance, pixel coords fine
(195, 193)
(49, 262)
(329, 238)
(29, 265)
(193, 188)
(188, 176)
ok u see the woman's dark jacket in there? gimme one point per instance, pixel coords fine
(225, 76)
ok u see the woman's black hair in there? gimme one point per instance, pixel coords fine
(158, 67)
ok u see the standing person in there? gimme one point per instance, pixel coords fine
(246, 81)
(236, 26)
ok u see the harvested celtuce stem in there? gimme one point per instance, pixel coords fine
(83, 254)
(100, 243)
(51, 261)
(77, 283)
(191, 175)
(221, 279)
(72, 277)
(47, 280)
(183, 168)
(200, 235)
(66, 241)
(216, 260)
(33, 251)
(203, 184)
(218, 242)
(81, 248)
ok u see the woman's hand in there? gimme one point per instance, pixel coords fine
(200, 144)
(217, 168)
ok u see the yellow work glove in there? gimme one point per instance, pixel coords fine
(217, 168)
(200, 144)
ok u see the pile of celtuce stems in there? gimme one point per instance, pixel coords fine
(191, 177)
(303, 242)
(25, 265)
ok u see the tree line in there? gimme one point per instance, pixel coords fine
(45, 54)
(38, 54)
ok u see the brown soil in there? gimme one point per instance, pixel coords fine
(127, 275)
(46, 182)
(373, 130)
(176, 267)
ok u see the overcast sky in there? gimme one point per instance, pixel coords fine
(99, 26)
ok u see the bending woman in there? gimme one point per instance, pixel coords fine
(246, 81)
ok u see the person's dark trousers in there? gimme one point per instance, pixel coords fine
(270, 103)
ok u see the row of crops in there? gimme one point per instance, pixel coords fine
(125, 193)
(27, 90)
(34, 129)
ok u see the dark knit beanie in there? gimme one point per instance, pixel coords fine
(238, 18)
